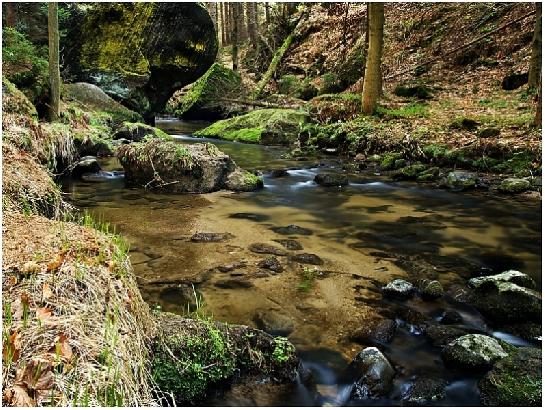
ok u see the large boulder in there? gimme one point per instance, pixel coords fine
(169, 167)
(205, 98)
(505, 298)
(473, 351)
(140, 53)
(515, 380)
(461, 180)
(372, 372)
(514, 185)
(268, 126)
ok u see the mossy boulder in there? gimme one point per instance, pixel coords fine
(331, 108)
(413, 91)
(514, 185)
(203, 100)
(473, 351)
(409, 172)
(137, 132)
(460, 180)
(93, 101)
(302, 88)
(140, 53)
(267, 126)
(515, 380)
(15, 102)
(191, 357)
(169, 167)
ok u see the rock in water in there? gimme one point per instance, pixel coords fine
(290, 244)
(292, 230)
(271, 263)
(473, 351)
(273, 322)
(423, 391)
(264, 248)
(503, 299)
(136, 132)
(329, 180)
(140, 53)
(307, 258)
(372, 372)
(169, 167)
(461, 180)
(515, 380)
(514, 185)
(205, 237)
(85, 165)
(399, 288)
(431, 290)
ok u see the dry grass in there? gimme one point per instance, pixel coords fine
(73, 318)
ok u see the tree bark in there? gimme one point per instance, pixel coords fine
(234, 51)
(267, 14)
(366, 43)
(11, 15)
(372, 81)
(537, 119)
(54, 69)
(535, 62)
(251, 18)
(277, 58)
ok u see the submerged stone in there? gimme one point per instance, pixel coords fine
(372, 372)
(292, 230)
(330, 180)
(273, 322)
(290, 244)
(307, 258)
(266, 248)
(211, 237)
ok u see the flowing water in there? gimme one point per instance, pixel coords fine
(369, 232)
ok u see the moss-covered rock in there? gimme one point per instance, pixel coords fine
(515, 380)
(191, 357)
(473, 351)
(94, 102)
(137, 132)
(409, 172)
(514, 185)
(140, 53)
(331, 108)
(418, 91)
(202, 100)
(15, 102)
(166, 166)
(268, 126)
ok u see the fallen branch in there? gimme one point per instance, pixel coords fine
(433, 60)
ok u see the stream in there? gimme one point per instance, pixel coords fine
(367, 233)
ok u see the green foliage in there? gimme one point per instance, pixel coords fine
(186, 366)
(308, 276)
(292, 85)
(283, 350)
(24, 64)
(390, 159)
(330, 84)
(494, 103)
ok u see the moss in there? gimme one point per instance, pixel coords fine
(16, 102)
(217, 82)
(198, 362)
(412, 110)
(389, 159)
(283, 350)
(251, 179)
(411, 171)
(268, 126)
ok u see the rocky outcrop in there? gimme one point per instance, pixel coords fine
(174, 168)
(205, 99)
(268, 126)
(140, 53)
(473, 351)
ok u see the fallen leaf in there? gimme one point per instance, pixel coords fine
(37, 374)
(56, 263)
(19, 397)
(63, 348)
(43, 313)
(11, 280)
(46, 291)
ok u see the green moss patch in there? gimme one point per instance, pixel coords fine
(268, 126)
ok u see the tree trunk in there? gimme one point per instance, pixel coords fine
(11, 14)
(277, 58)
(54, 69)
(236, 20)
(535, 62)
(267, 14)
(366, 44)
(251, 18)
(537, 119)
(372, 82)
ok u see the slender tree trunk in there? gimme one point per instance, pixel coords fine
(11, 15)
(236, 21)
(535, 62)
(229, 25)
(366, 42)
(372, 80)
(256, 20)
(267, 14)
(221, 33)
(537, 119)
(54, 69)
